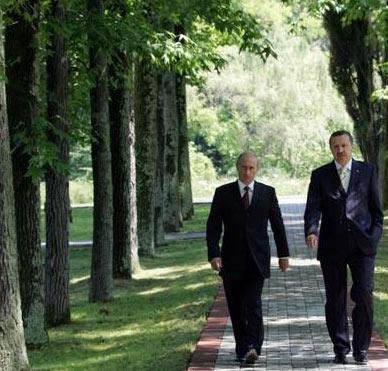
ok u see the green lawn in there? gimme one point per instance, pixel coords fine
(152, 324)
(198, 222)
(381, 285)
(81, 228)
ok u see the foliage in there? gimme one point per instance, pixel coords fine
(200, 166)
(283, 110)
(153, 323)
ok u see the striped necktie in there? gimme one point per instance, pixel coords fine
(344, 175)
(245, 198)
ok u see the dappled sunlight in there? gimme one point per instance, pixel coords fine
(275, 321)
(157, 273)
(380, 269)
(194, 286)
(97, 359)
(297, 262)
(74, 281)
(190, 305)
(381, 295)
(111, 333)
(155, 290)
(169, 272)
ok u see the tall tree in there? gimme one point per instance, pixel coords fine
(57, 303)
(101, 287)
(146, 150)
(358, 35)
(160, 165)
(185, 192)
(172, 206)
(125, 245)
(21, 36)
(353, 54)
(13, 355)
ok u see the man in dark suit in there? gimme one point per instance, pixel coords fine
(344, 193)
(242, 209)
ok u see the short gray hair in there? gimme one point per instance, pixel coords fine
(247, 154)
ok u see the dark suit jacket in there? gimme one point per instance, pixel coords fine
(357, 211)
(244, 227)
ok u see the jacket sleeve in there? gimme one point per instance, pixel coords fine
(375, 208)
(214, 227)
(277, 226)
(312, 213)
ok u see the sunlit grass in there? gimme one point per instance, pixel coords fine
(381, 285)
(153, 322)
(81, 226)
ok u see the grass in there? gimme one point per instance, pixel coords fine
(152, 324)
(198, 222)
(381, 285)
(81, 227)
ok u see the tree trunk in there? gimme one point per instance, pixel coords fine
(57, 304)
(159, 181)
(172, 207)
(101, 287)
(185, 193)
(13, 355)
(22, 105)
(353, 53)
(125, 249)
(145, 120)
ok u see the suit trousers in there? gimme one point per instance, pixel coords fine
(335, 278)
(243, 295)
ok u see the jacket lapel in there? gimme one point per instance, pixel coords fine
(336, 178)
(354, 175)
(255, 196)
(237, 195)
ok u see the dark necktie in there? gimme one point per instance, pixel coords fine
(245, 198)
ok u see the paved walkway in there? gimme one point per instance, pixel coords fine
(293, 307)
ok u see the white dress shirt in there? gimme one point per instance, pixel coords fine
(251, 186)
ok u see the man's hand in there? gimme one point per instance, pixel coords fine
(216, 264)
(283, 264)
(312, 241)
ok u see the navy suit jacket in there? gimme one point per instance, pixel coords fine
(357, 211)
(245, 228)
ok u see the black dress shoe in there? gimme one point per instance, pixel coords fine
(340, 359)
(251, 356)
(361, 357)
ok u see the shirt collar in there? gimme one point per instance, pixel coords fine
(242, 185)
(347, 166)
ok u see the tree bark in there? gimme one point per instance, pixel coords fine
(13, 354)
(185, 192)
(172, 207)
(125, 248)
(101, 287)
(57, 303)
(160, 165)
(353, 53)
(145, 121)
(22, 105)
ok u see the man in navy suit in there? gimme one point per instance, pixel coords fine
(242, 210)
(344, 195)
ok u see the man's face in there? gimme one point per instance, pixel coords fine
(247, 169)
(341, 148)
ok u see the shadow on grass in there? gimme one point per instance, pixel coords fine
(152, 324)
